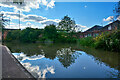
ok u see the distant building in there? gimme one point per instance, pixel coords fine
(92, 32)
(112, 26)
(94, 28)
(97, 30)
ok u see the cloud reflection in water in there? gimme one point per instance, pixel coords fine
(34, 70)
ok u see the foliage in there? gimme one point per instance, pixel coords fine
(67, 24)
(65, 38)
(29, 35)
(50, 32)
(117, 9)
(13, 35)
(88, 41)
(109, 41)
(26, 35)
(63, 33)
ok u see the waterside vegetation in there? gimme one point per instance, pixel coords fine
(108, 41)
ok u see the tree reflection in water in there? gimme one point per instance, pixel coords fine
(67, 56)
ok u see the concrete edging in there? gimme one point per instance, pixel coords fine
(19, 64)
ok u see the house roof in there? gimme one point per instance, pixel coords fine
(117, 21)
(94, 28)
(112, 23)
(98, 28)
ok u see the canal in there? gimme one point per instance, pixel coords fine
(66, 60)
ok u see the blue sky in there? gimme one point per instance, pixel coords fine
(86, 14)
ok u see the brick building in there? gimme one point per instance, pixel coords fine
(97, 30)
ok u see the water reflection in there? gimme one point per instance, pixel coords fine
(37, 72)
(34, 70)
(22, 57)
(67, 56)
(61, 61)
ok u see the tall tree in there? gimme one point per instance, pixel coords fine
(67, 24)
(117, 9)
(50, 32)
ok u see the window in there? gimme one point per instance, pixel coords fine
(109, 28)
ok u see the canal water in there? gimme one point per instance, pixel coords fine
(66, 60)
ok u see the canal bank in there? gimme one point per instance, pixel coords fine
(11, 67)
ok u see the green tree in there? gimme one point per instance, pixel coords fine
(13, 35)
(117, 9)
(50, 32)
(67, 24)
(29, 35)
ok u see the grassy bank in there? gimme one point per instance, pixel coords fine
(107, 41)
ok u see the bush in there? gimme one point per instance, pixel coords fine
(108, 41)
(65, 38)
(50, 32)
(13, 35)
(29, 35)
(88, 41)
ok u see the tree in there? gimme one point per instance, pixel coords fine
(13, 35)
(67, 24)
(29, 35)
(50, 32)
(117, 9)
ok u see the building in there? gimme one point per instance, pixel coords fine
(97, 30)
(92, 32)
(112, 26)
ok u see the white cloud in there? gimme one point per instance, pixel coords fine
(44, 2)
(28, 23)
(24, 18)
(85, 29)
(50, 21)
(81, 27)
(109, 18)
(51, 4)
(15, 26)
(12, 15)
(28, 5)
(34, 18)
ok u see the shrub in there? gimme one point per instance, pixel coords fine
(88, 41)
(109, 41)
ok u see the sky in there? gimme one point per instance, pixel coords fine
(39, 13)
